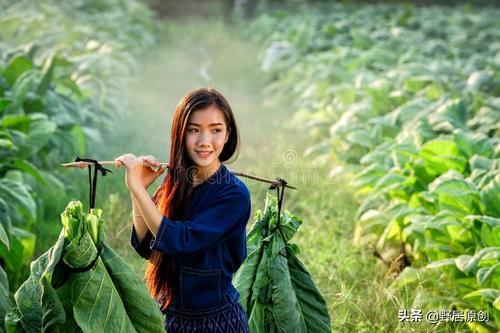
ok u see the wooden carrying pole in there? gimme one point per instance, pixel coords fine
(237, 173)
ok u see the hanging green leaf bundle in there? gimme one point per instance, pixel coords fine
(82, 285)
(276, 290)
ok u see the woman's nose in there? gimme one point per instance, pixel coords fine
(204, 139)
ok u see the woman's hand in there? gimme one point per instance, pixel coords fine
(138, 170)
(149, 174)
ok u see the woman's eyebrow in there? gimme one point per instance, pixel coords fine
(213, 124)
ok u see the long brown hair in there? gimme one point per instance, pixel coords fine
(176, 185)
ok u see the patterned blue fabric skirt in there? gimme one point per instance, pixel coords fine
(229, 319)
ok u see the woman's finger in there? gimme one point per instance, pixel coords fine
(130, 157)
(151, 160)
(119, 160)
(125, 159)
(162, 168)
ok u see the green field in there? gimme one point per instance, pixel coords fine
(384, 117)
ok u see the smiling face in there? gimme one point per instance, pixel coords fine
(206, 134)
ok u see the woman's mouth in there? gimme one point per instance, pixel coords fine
(204, 154)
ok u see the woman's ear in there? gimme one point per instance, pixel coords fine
(227, 135)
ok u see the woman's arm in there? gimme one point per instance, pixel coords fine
(140, 227)
(137, 179)
(150, 213)
(141, 236)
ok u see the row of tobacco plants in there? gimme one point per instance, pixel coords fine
(62, 67)
(407, 98)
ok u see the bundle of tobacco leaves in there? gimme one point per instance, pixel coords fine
(276, 290)
(81, 285)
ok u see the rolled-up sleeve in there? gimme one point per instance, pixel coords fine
(224, 215)
(143, 248)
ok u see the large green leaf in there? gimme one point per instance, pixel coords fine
(243, 279)
(48, 71)
(141, 308)
(38, 308)
(486, 120)
(490, 197)
(17, 194)
(482, 296)
(452, 114)
(40, 132)
(24, 86)
(470, 144)
(409, 111)
(416, 83)
(15, 121)
(487, 273)
(369, 176)
(404, 154)
(483, 170)
(15, 68)
(456, 194)
(286, 310)
(257, 320)
(19, 254)
(97, 306)
(30, 169)
(79, 138)
(393, 183)
(487, 229)
(4, 103)
(312, 304)
(469, 264)
(441, 155)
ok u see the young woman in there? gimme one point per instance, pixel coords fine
(192, 230)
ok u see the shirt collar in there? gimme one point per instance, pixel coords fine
(216, 178)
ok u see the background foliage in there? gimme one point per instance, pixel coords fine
(62, 68)
(407, 98)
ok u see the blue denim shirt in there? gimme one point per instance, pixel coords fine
(208, 246)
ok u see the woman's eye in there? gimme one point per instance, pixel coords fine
(194, 130)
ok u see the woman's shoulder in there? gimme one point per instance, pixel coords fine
(240, 186)
(235, 185)
(225, 183)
